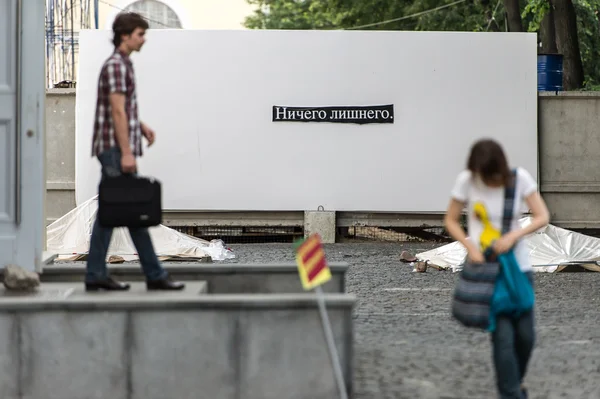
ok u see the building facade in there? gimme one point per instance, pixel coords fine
(65, 19)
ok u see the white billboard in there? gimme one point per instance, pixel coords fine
(373, 121)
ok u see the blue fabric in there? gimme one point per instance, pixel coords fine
(512, 344)
(513, 292)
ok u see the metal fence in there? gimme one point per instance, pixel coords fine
(245, 235)
(391, 234)
(282, 234)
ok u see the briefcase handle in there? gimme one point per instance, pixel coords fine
(136, 176)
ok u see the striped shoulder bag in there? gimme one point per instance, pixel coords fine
(473, 293)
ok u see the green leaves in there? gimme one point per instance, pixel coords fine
(534, 12)
(424, 15)
(348, 14)
(292, 14)
(588, 31)
(469, 16)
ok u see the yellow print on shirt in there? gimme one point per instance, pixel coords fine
(489, 233)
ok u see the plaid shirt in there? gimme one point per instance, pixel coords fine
(116, 76)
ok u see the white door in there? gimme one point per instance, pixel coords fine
(22, 95)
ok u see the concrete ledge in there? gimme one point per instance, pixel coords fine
(569, 94)
(60, 185)
(61, 92)
(153, 347)
(48, 258)
(48, 292)
(101, 301)
(192, 267)
(225, 278)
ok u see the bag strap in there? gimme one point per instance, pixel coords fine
(509, 201)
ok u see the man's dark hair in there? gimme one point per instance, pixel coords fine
(125, 24)
(487, 160)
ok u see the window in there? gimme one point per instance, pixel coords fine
(159, 15)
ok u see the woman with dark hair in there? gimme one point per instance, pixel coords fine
(481, 190)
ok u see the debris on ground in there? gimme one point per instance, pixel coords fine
(421, 266)
(19, 279)
(407, 257)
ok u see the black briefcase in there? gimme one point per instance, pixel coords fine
(129, 201)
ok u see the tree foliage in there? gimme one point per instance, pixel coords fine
(588, 32)
(588, 29)
(470, 15)
(344, 14)
(291, 14)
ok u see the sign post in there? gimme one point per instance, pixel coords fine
(313, 270)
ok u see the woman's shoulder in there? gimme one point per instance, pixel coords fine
(525, 181)
(460, 191)
(521, 171)
(464, 176)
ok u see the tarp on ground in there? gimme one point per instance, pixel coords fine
(551, 249)
(70, 235)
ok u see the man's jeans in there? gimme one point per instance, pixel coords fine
(513, 342)
(100, 240)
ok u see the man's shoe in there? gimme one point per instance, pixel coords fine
(165, 284)
(109, 284)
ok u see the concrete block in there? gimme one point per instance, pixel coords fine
(155, 346)
(46, 291)
(221, 278)
(184, 355)
(138, 289)
(268, 283)
(73, 355)
(9, 356)
(66, 290)
(321, 222)
(284, 354)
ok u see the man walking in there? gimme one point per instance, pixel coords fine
(117, 142)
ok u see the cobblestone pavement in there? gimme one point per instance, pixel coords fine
(406, 345)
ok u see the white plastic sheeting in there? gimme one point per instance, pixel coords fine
(551, 249)
(70, 235)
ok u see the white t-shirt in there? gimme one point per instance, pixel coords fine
(473, 191)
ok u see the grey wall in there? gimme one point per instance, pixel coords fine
(569, 124)
(60, 152)
(153, 347)
(568, 153)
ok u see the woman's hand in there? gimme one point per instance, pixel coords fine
(455, 230)
(475, 255)
(505, 243)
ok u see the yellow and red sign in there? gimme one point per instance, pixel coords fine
(312, 266)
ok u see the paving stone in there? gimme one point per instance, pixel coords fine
(407, 346)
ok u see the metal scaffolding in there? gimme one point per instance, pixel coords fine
(64, 20)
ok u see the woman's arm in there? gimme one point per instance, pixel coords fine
(540, 218)
(451, 221)
(540, 215)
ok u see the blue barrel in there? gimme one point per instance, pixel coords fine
(550, 72)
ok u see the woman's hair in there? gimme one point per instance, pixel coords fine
(487, 160)
(125, 24)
